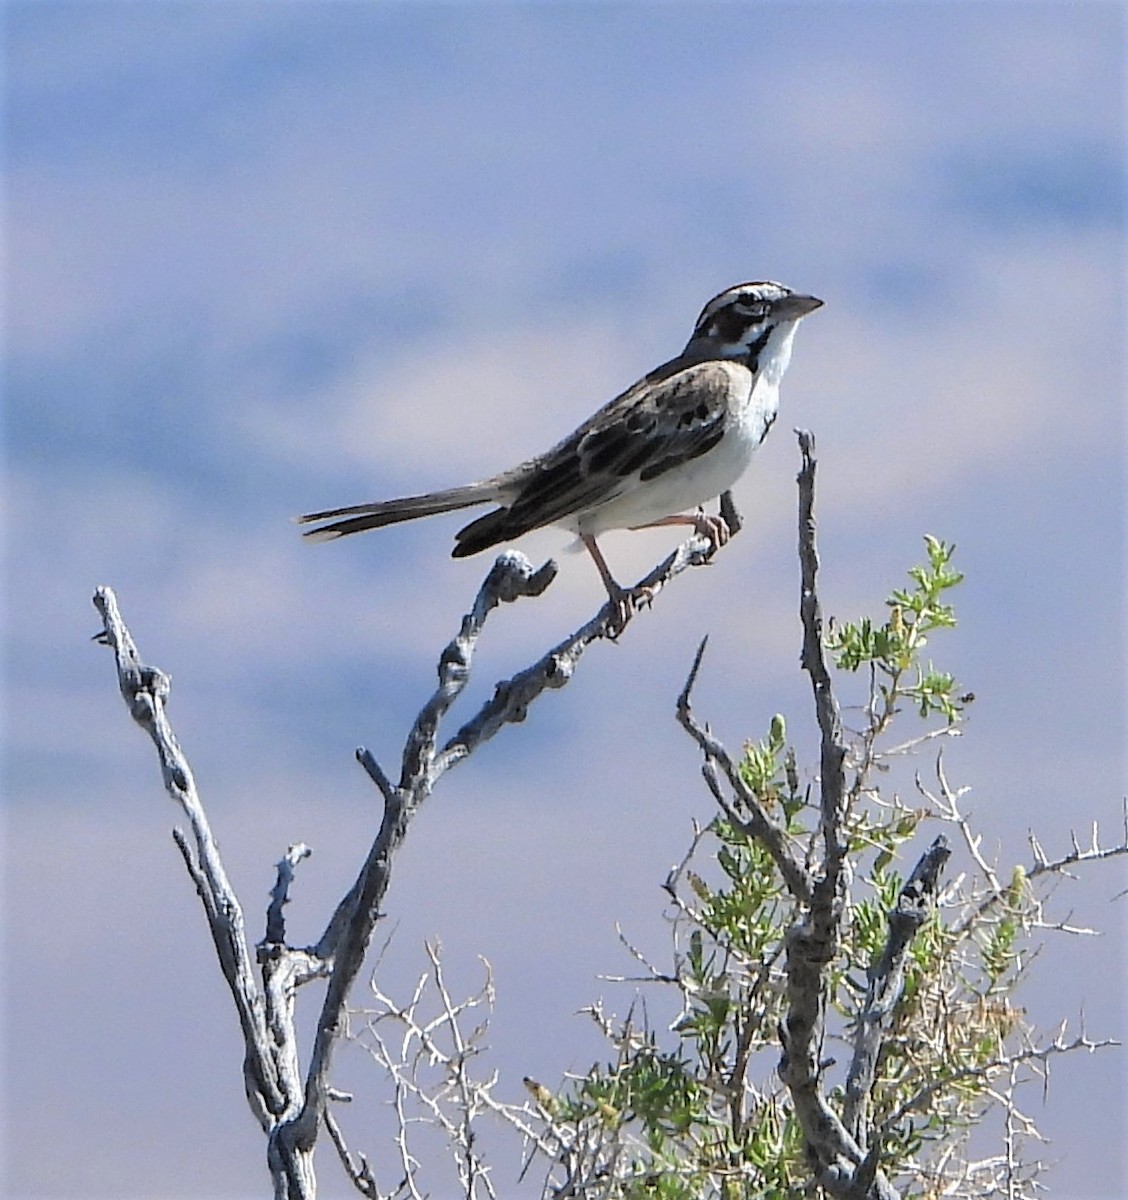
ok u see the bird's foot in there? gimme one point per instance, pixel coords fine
(622, 604)
(625, 602)
(713, 528)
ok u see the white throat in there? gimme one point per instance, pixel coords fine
(776, 355)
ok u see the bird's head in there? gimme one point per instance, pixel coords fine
(748, 320)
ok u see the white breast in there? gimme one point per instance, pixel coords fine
(701, 479)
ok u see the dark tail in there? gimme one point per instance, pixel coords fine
(488, 530)
(359, 517)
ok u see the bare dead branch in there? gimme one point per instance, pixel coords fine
(512, 697)
(813, 661)
(145, 691)
(280, 893)
(291, 1111)
(812, 944)
(886, 981)
(358, 1172)
(758, 824)
(349, 931)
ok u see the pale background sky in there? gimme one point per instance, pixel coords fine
(274, 257)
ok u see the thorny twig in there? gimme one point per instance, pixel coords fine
(946, 802)
(429, 1059)
(1002, 1062)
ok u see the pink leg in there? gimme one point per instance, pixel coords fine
(714, 528)
(621, 600)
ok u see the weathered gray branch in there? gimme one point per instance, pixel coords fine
(837, 1160)
(510, 578)
(886, 978)
(758, 823)
(145, 690)
(512, 697)
(290, 1109)
(814, 941)
(832, 790)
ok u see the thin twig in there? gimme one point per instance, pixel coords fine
(758, 824)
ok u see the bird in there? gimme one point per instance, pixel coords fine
(679, 437)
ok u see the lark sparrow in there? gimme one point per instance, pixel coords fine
(678, 437)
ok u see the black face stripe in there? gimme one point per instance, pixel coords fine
(756, 347)
(756, 300)
(729, 324)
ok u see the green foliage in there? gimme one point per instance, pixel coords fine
(892, 649)
(653, 1088)
(708, 1117)
(999, 939)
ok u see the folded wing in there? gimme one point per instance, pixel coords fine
(670, 417)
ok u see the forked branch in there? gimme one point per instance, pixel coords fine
(292, 1108)
(837, 1154)
(886, 982)
(145, 691)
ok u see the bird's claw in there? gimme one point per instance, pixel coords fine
(625, 602)
(622, 608)
(714, 529)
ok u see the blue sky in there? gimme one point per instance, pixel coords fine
(267, 258)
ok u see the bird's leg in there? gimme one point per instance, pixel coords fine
(714, 528)
(623, 602)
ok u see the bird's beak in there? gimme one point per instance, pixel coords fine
(795, 306)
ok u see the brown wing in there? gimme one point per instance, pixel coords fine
(673, 415)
